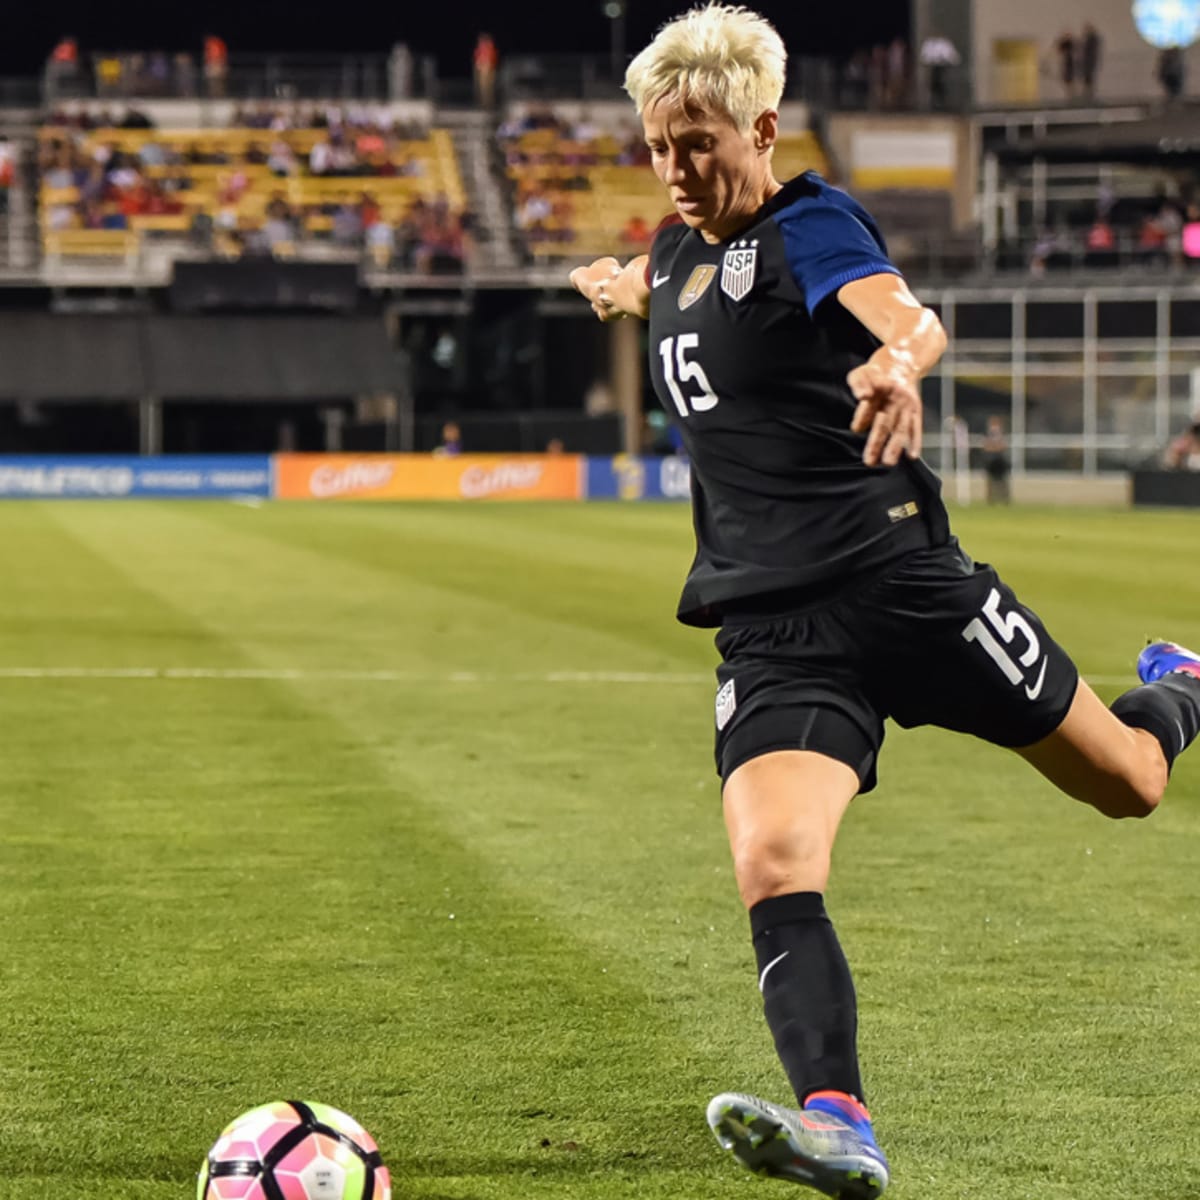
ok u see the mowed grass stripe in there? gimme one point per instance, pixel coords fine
(261, 915)
(1027, 1005)
(255, 821)
(346, 595)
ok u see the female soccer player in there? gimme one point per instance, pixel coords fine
(789, 352)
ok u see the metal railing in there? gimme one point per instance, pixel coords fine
(1084, 381)
(135, 76)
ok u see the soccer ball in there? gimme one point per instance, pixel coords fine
(292, 1150)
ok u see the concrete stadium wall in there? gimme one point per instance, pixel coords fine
(1050, 488)
(1127, 62)
(846, 130)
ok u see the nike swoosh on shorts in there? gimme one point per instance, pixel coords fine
(1034, 692)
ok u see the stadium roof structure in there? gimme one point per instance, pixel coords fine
(1171, 138)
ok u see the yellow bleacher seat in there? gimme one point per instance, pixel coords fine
(394, 194)
(91, 243)
(54, 196)
(160, 223)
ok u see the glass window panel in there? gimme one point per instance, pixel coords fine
(1185, 318)
(1126, 319)
(1052, 320)
(987, 321)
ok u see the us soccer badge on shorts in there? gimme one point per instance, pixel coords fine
(738, 269)
(726, 704)
(696, 286)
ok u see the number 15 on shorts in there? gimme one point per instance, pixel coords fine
(1001, 635)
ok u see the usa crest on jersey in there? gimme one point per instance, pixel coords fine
(738, 269)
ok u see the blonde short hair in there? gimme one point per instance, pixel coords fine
(719, 57)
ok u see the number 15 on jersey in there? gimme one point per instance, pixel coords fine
(678, 369)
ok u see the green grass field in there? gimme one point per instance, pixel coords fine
(411, 810)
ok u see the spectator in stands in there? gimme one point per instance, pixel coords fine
(896, 81)
(1158, 236)
(1183, 454)
(1091, 45)
(110, 71)
(451, 443)
(1052, 247)
(855, 80)
(555, 446)
(158, 74)
(282, 159)
(1101, 243)
(636, 234)
(7, 172)
(1068, 55)
(320, 157)
(62, 67)
(185, 74)
(485, 60)
(381, 243)
(1172, 72)
(280, 225)
(939, 56)
(347, 225)
(216, 65)
(997, 466)
(1190, 234)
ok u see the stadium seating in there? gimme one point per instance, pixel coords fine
(197, 173)
(596, 198)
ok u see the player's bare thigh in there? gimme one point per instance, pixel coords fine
(782, 812)
(1095, 757)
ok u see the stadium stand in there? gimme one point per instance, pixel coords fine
(582, 187)
(1095, 197)
(281, 182)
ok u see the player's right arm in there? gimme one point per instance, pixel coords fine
(615, 291)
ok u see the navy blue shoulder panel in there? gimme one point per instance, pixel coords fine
(828, 237)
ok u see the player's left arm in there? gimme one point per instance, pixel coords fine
(888, 385)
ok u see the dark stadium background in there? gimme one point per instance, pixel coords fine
(446, 30)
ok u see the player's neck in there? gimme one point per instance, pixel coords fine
(733, 224)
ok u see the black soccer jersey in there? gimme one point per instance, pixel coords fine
(751, 365)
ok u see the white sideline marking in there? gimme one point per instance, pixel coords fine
(300, 674)
(287, 674)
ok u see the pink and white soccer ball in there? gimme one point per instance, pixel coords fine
(294, 1150)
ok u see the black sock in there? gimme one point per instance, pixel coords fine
(808, 995)
(1169, 708)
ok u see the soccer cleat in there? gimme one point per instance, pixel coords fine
(1165, 658)
(827, 1145)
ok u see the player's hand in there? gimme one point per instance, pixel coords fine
(889, 408)
(592, 283)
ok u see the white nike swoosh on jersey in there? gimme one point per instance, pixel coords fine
(658, 281)
(1182, 736)
(1034, 692)
(762, 979)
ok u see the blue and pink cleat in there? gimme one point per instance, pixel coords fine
(1165, 658)
(828, 1145)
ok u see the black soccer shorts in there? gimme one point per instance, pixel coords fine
(938, 640)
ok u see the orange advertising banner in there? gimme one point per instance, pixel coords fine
(428, 477)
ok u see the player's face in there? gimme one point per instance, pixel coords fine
(716, 175)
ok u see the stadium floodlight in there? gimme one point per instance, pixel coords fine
(1167, 23)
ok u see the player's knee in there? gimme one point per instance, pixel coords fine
(780, 863)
